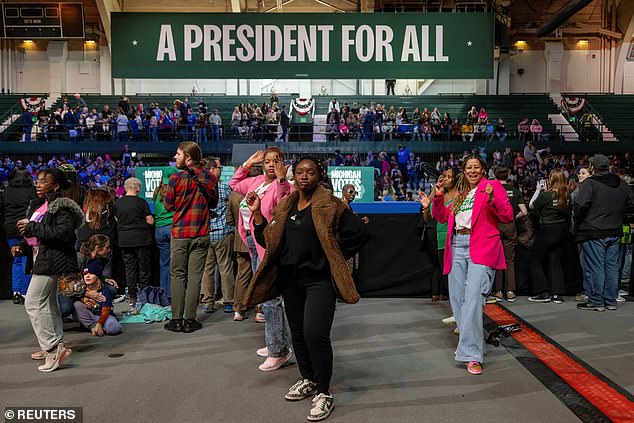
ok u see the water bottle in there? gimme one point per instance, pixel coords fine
(127, 296)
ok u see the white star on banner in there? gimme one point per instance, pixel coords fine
(135, 42)
(469, 43)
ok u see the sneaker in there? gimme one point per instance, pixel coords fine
(499, 295)
(55, 359)
(208, 308)
(322, 407)
(456, 331)
(622, 291)
(18, 298)
(227, 308)
(274, 363)
(259, 318)
(541, 298)
(511, 297)
(449, 321)
(263, 352)
(611, 307)
(118, 299)
(620, 299)
(237, 317)
(581, 298)
(557, 299)
(474, 368)
(174, 325)
(38, 355)
(302, 389)
(588, 306)
(492, 299)
(191, 325)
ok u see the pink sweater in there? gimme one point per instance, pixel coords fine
(275, 193)
(485, 245)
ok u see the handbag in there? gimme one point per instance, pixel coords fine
(71, 285)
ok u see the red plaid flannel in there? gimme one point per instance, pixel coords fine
(183, 197)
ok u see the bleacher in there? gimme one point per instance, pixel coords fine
(9, 114)
(511, 107)
(616, 112)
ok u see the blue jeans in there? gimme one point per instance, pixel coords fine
(255, 260)
(66, 306)
(154, 134)
(469, 285)
(215, 132)
(202, 135)
(601, 261)
(625, 256)
(19, 278)
(275, 332)
(163, 236)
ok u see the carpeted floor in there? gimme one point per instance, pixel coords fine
(393, 363)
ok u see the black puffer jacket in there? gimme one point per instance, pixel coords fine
(56, 233)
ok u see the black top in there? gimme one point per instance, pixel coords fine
(515, 197)
(132, 229)
(302, 256)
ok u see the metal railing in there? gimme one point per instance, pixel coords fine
(38, 132)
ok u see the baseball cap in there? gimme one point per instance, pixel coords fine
(600, 161)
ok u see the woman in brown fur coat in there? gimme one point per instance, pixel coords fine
(307, 241)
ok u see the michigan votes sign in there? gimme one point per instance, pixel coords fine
(308, 45)
(361, 177)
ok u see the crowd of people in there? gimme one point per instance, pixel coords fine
(278, 240)
(75, 120)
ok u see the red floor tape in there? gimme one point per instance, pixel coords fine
(611, 402)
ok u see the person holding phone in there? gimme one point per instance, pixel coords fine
(551, 202)
(473, 251)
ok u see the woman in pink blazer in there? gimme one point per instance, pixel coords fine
(473, 251)
(271, 187)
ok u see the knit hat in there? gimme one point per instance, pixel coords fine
(599, 161)
(93, 267)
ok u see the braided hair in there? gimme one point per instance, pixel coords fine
(462, 184)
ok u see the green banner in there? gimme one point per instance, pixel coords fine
(361, 177)
(151, 178)
(302, 45)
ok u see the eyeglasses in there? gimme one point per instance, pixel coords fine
(351, 191)
(42, 182)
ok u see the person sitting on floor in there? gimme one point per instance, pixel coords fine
(97, 314)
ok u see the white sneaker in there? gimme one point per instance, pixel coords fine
(55, 359)
(620, 299)
(322, 407)
(263, 352)
(456, 331)
(449, 321)
(302, 389)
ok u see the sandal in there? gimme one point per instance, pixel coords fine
(474, 368)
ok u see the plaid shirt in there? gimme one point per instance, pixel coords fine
(191, 211)
(218, 227)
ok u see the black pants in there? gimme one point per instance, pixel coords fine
(137, 268)
(549, 244)
(310, 309)
(439, 282)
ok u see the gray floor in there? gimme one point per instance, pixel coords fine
(393, 363)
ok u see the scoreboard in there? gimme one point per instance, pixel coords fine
(42, 20)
